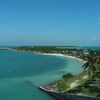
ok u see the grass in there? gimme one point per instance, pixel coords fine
(68, 79)
(87, 86)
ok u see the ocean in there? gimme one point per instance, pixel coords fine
(16, 68)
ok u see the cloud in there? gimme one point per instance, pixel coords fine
(98, 18)
(95, 39)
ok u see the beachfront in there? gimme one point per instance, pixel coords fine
(62, 55)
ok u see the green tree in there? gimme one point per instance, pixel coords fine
(98, 63)
(91, 63)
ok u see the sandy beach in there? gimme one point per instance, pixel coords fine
(62, 55)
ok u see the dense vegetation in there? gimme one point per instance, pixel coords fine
(53, 49)
(93, 63)
(45, 49)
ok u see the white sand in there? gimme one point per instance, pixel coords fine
(62, 55)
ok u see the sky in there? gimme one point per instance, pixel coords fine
(50, 22)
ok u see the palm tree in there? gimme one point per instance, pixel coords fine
(90, 65)
(97, 64)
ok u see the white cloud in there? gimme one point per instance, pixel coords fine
(95, 39)
(98, 18)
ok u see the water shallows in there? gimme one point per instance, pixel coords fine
(18, 67)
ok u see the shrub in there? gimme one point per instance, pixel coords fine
(68, 75)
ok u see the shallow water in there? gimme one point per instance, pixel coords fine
(18, 67)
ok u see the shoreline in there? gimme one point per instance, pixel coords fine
(52, 85)
(62, 55)
(55, 54)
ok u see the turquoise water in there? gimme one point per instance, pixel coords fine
(18, 67)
